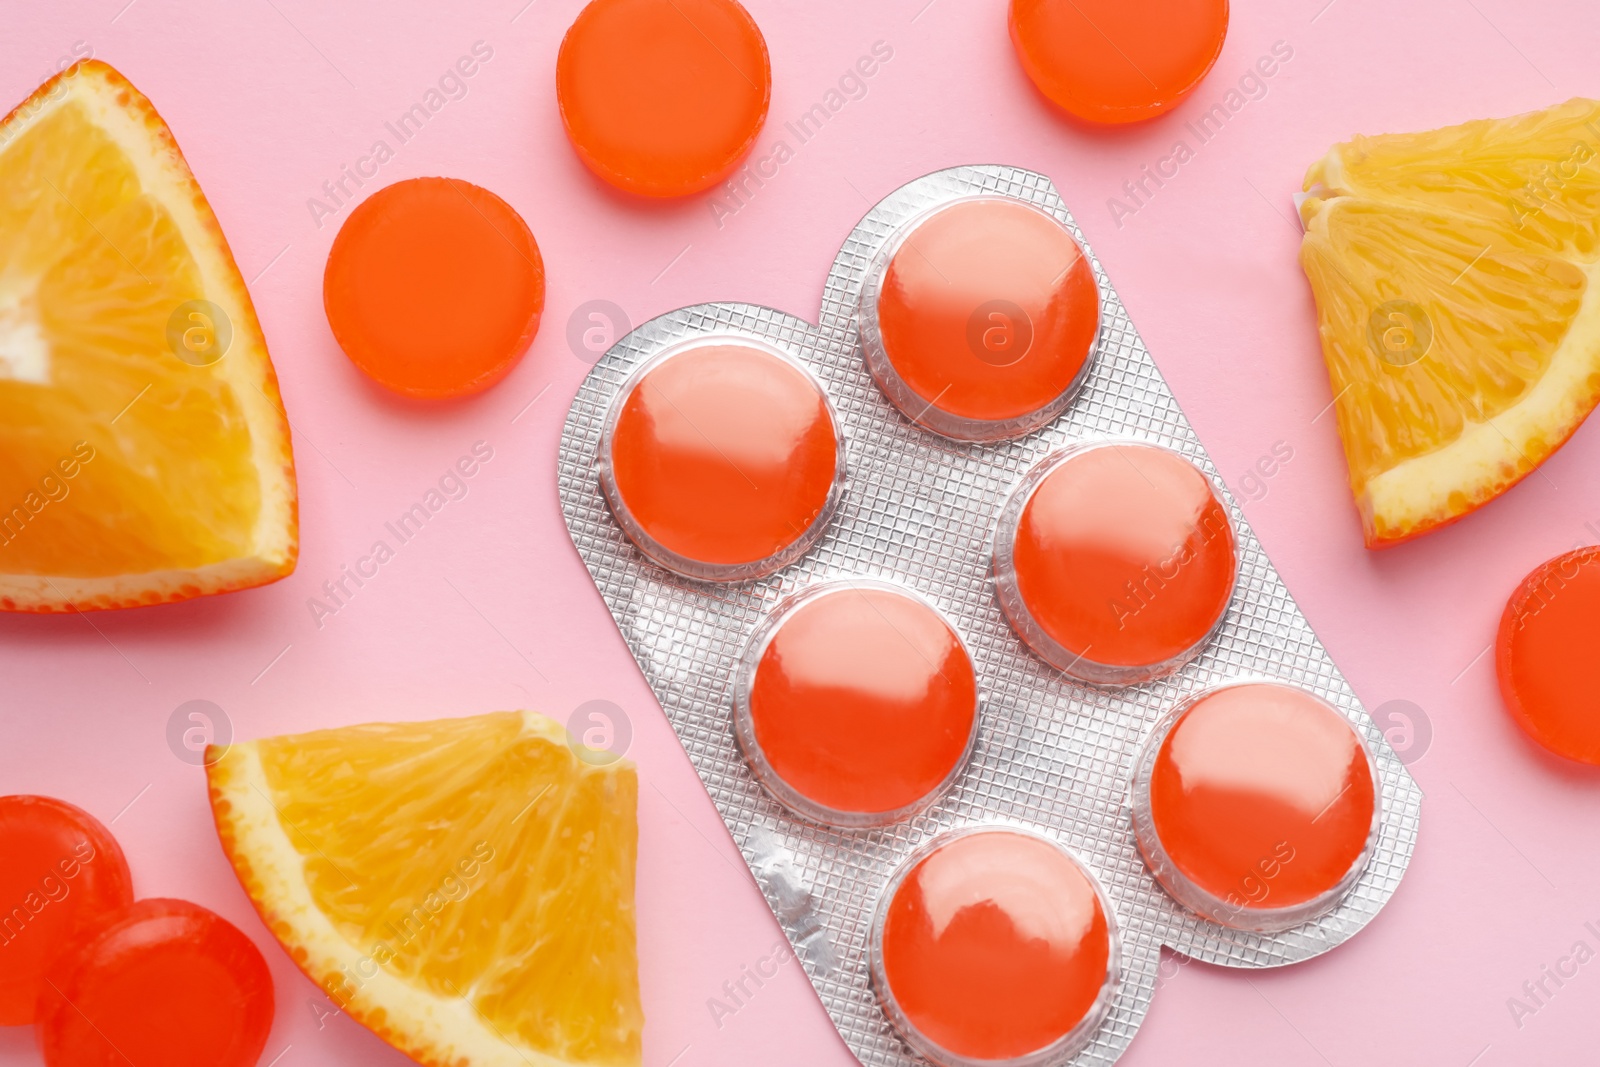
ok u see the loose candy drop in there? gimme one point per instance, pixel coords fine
(1117, 61)
(663, 97)
(162, 982)
(1547, 655)
(60, 871)
(434, 287)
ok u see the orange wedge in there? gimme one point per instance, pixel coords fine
(1454, 273)
(463, 888)
(144, 452)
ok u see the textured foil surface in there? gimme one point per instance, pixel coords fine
(1051, 754)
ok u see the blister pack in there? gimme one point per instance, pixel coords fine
(979, 660)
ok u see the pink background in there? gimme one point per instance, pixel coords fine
(490, 607)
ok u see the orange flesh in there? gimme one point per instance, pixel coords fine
(864, 700)
(60, 873)
(1124, 555)
(663, 97)
(1262, 796)
(1117, 61)
(434, 287)
(988, 310)
(996, 945)
(724, 454)
(1545, 655)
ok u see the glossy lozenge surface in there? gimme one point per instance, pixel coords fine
(724, 454)
(988, 310)
(863, 700)
(1546, 655)
(60, 872)
(1262, 796)
(1116, 61)
(663, 97)
(163, 982)
(1124, 555)
(434, 287)
(996, 945)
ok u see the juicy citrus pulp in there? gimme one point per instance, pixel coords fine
(146, 452)
(1453, 272)
(463, 887)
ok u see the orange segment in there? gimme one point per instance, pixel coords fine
(147, 456)
(663, 97)
(462, 887)
(1453, 273)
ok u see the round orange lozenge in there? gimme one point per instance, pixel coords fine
(722, 460)
(1115, 61)
(160, 981)
(983, 320)
(663, 97)
(994, 944)
(434, 287)
(1546, 655)
(857, 703)
(1115, 561)
(61, 874)
(1254, 804)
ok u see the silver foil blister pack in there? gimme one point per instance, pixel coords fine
(1051, 754)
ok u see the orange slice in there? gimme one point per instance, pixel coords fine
(1454, 277)
(144, 452)
(463, 888)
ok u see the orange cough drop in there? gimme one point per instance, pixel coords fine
(1258, 806)
(984, 321)
(1116, 61)
(721, 461)
(1115, 561)
(1545, 655)
(434, 287)
(663, 97)
(995, 944)
(858, 703)
(61, 874)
